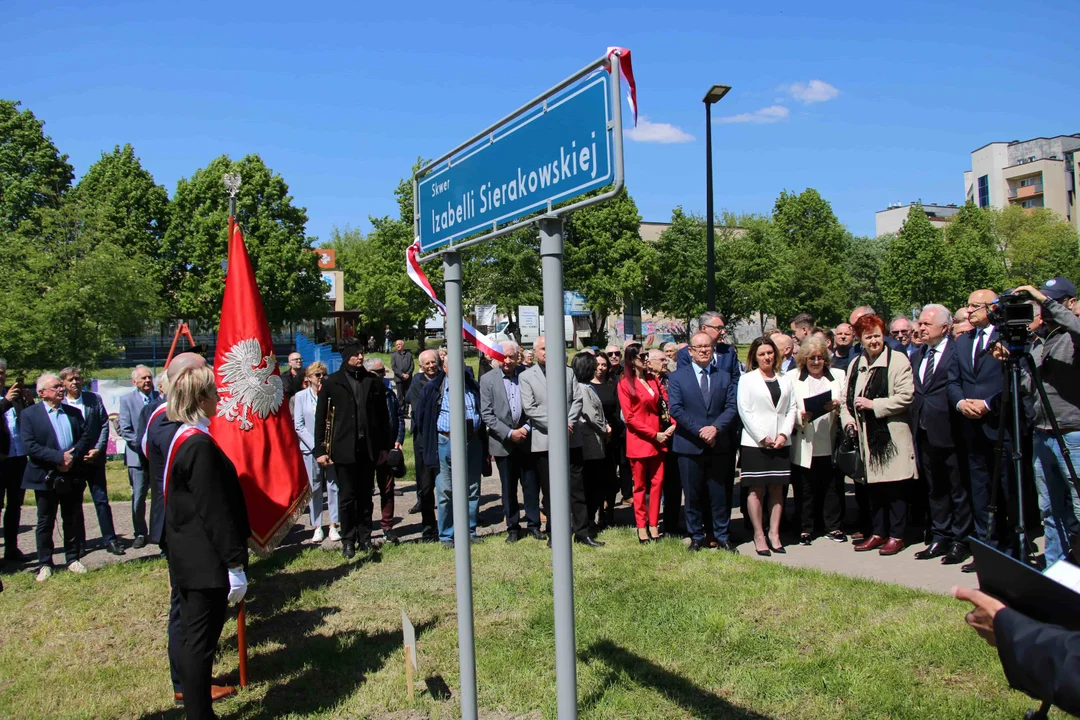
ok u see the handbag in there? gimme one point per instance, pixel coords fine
(847, 457)
(59, 482)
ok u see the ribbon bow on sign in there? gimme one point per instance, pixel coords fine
(627, 71)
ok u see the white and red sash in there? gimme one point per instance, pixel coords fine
(183, 433)
(157, 411)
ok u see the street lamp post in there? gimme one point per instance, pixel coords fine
(716, 92)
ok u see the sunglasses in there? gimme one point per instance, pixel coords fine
(613, 354)
(318, 374)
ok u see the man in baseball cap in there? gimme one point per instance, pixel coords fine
(1062, 290)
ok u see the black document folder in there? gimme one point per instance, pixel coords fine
(815, 404)
(1024, 588)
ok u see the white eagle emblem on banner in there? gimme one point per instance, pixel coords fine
(249, 385)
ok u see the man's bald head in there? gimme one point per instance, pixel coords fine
(859, 312)
(184, 361)
(978, 306)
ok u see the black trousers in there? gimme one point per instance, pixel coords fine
(610, 482)
(950, 505)
(157, 511)
(889, 503)
(11, 472)
(403, 393)
(579, 513)
(865, 520)
(175, 634)
(706, 480)
(821, 498)
(355, 483)
(981, 460)
(596, 485)
(99, 493)
(425, 491)
(673, 494)
(518, 468)
(70, 506)
(202, 615)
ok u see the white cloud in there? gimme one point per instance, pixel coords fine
(664, 133)
(811, 92)
(771, 114)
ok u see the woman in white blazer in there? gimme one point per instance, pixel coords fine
(318, 476)
(767, 410)
(819, 490)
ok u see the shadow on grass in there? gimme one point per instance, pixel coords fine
(697, 701)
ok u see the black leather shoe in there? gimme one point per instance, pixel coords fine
(935, 550)
(957, 554)
(348, 549)
(728, 546)
(414, 509)
(695, 546)
(512, 536)
(589, 542)
(140, 542)
(114, 549)
(364, 545)
(969, 568)
(536, 534)
(15, 555)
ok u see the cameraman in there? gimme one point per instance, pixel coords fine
(1058, 359)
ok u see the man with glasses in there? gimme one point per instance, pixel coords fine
(56, 444)
(939, 439)
(614, 357)
(96, 418)
(724, 356)
(294, 378)
(704, 405)
(900, 330)
(975, 392)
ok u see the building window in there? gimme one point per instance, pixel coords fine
(984, 191)
(1032, 203)
(1030, 181)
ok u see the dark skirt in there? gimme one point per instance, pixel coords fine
(764, 466)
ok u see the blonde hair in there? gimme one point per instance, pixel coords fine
(186, 393)
(315, 367)
(807, 348)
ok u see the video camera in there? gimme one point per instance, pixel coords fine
(1011, 313)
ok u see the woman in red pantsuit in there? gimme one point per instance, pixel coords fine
(643, 401)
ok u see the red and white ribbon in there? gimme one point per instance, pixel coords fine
(182, 433)
(477, 338)
(627, 72)
(157, 411)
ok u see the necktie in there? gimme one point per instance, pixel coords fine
(929, 372)
(980, 342)
(705, 386)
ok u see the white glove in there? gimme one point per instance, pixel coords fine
(237, 584)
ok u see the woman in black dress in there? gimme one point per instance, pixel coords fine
(206, 527)
(609, 400)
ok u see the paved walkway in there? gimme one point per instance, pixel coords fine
(824, 554)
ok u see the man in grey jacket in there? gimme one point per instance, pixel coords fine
(401, 364)
(1058, 360)
(534, 401)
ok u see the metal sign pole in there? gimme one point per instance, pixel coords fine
(562, 560)
(459, 473)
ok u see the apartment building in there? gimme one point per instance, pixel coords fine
(892, 218)
(1035, 173)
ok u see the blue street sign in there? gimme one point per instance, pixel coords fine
(545, 157)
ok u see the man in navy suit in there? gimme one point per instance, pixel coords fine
(725, 358)
(703, 403)
(96, 418)
(975, 386)
(56, 444)
(131, 409)
(938, 439)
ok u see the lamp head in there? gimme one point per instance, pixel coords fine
(716, 93)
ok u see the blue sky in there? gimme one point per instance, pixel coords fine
(870, 103)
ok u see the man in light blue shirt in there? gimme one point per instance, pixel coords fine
(474, 446)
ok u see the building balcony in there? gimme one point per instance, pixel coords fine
(1017, 193)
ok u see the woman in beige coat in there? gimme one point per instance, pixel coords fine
(879, 393)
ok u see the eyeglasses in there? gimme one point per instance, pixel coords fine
(318, 374)
(701, 347)
(815, 358)
(613, 354)
(978, 306)
(899, 333)
(717, 328)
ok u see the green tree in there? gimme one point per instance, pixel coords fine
(505, 271)
(60, 297)
(763, 271)
(196, 244)
(864, 266)
(33, 173)
(918, 267)
(127, 196)
(605, 258)
(973, 254)
(817, 245)
(1034, 245)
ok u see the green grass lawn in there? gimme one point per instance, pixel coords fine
(661, 634)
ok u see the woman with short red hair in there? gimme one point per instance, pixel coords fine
(878, 393)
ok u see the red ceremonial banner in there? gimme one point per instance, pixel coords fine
(253, 425)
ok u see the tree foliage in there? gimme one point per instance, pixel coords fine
(917, 265)
(505, 271)
(864, 266)
(196, 244)
(33, 173)
(1034, 245)
(126, 196)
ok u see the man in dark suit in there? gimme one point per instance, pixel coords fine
(843, 351)
(13, 400)
(401, 364)
(425, 476)
(939, 439)
(359, 442)
(96, 418)
(704, 405)
(975, 388)
(56, 447)
(508, 433)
